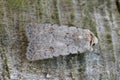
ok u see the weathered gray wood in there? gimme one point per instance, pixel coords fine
(99, 16)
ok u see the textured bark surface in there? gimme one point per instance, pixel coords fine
(100, 16)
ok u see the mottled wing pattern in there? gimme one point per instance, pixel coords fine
(47, 41)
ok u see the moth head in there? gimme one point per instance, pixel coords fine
(93, 39)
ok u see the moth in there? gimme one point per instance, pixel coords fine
(52, 40)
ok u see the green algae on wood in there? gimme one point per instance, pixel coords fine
(3, 35)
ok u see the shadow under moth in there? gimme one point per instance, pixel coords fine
(52, 40)
(118, 5)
